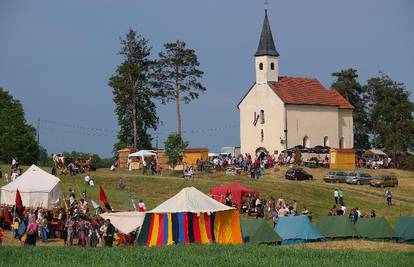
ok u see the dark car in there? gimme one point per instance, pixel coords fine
(358, 178)
(335, 177)
(298, 174)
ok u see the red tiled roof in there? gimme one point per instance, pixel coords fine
(343, 103)
(307, 91)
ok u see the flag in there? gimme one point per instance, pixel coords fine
(19, 203)
(94, 204)
(256, 118)
(102, 197)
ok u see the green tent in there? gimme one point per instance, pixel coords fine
(258, 231)
(375, 228)
(336, 227)
(405, 228)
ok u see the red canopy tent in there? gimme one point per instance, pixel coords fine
(237, 190)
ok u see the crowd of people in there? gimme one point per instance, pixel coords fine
(245, 163)
(270, 208)
(15, 171)
(77, 224)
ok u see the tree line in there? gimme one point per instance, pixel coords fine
(383, 113)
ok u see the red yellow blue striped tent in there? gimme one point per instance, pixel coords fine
(191, 217)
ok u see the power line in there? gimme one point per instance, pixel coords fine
(103, 132)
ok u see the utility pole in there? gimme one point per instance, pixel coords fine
(38, 131)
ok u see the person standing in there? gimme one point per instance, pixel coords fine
(295, 206)
(144, 167)
(388, 194)
(110, 231)
(32, 230)
(141, 206)
(341, 196)
(336, 195)
(70, 225)
(42, 221)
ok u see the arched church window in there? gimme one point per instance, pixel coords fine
(306, 142)
(325, 141)
(262, 119)
(260, 66)
(262, 135)
(272, 66)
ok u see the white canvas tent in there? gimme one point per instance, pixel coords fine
(143, 153)
(189, 199)
(125, 222)
(37, 189)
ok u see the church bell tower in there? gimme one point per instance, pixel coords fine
(267, 58)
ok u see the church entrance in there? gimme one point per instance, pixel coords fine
(261, 152)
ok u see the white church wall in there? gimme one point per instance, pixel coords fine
(313, 122)
(261, 97)
(346, 127)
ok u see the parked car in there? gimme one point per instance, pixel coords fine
(358, 178)
(298, 174)
(384, 181)
(335, 177)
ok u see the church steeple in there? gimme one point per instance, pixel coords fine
(266, 45)
(267, 58)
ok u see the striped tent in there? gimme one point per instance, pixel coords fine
(191, 217)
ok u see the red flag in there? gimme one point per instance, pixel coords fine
(102, 197)
(19, 203)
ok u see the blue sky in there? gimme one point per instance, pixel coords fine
(56, 57)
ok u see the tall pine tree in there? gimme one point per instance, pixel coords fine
(348, 86)
(132, 93)
(178, 76)
(391, 113)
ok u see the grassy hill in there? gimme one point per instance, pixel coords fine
(316, 195)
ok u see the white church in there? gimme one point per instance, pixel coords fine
(280, 112)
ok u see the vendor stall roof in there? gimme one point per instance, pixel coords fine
(189, 199)
(143, 153)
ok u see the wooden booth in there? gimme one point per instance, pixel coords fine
(123, 156)
(342, 158)
(191, 155)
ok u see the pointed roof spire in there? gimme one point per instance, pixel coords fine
(266, 45)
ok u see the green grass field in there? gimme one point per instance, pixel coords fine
(316, 195)
(199, 255)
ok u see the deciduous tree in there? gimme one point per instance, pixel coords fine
(174, 148)
(17, 138)
(391, 113)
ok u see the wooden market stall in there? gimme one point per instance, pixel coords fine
(342, 158)
(123, 156)
(191, 155)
